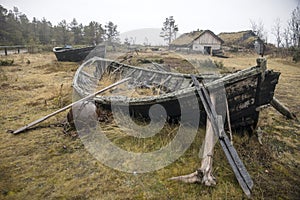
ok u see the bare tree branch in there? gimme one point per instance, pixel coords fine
(276, 31)
(258, 29)
(294, 26)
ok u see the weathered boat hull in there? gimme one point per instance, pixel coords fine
(72, 55)
(245, 90)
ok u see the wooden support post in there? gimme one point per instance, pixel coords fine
(262, 62)
(282, 109)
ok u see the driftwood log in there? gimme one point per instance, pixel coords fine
(204, 173)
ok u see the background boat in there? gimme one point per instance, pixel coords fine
(72, 54)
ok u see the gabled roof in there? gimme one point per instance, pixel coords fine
(187, 39)
(242, 38)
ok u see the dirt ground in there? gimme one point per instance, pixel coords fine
(46, 163)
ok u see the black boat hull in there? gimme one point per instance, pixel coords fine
(72, 55)
(245, 91)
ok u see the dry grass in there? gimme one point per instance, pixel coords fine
(170, 60)
(124, 89)
(231, 39)
(44, 163)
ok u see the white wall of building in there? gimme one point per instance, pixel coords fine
(206, 40)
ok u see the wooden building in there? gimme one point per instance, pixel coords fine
(241, 40)
(204, 41)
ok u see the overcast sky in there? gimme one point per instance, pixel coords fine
(216, 15)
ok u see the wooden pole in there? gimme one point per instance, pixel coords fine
(68, 106)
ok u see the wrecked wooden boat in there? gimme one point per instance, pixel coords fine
(70, 54)
(246, 90)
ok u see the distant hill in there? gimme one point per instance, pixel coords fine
(149, 36)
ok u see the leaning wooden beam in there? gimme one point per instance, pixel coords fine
(235, 162)
(68, 106)
(228, 121)
(282, 109)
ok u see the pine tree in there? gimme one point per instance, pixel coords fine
(93, 33)
(77, 31)
(111, 32)
(169, 29)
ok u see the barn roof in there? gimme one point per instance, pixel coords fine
(186, 39)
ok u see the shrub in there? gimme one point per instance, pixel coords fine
(296, 55)
(6, 62)
(219, 64)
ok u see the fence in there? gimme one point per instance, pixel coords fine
(15, 49)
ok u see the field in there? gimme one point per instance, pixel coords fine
(48, 163)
